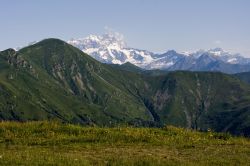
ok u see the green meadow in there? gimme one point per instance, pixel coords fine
(54, 143)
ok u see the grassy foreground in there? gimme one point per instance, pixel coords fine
(51, 143)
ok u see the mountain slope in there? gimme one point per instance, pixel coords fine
(54, 80)
(69, 85)
(197, 100)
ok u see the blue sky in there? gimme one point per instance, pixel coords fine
(154, 25)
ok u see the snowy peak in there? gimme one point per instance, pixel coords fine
(112, 39)
(111, 48)
(96, 41)
(217, 52)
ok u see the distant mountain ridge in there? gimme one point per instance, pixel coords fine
(111, 48)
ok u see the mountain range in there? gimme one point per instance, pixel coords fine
(111, 48)
(52, 80)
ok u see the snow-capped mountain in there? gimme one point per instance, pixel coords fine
(212, 60)
(111, 48)
(222, 55)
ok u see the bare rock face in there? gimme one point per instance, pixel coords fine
(161, 99)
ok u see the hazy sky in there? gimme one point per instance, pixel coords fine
(154, 25)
